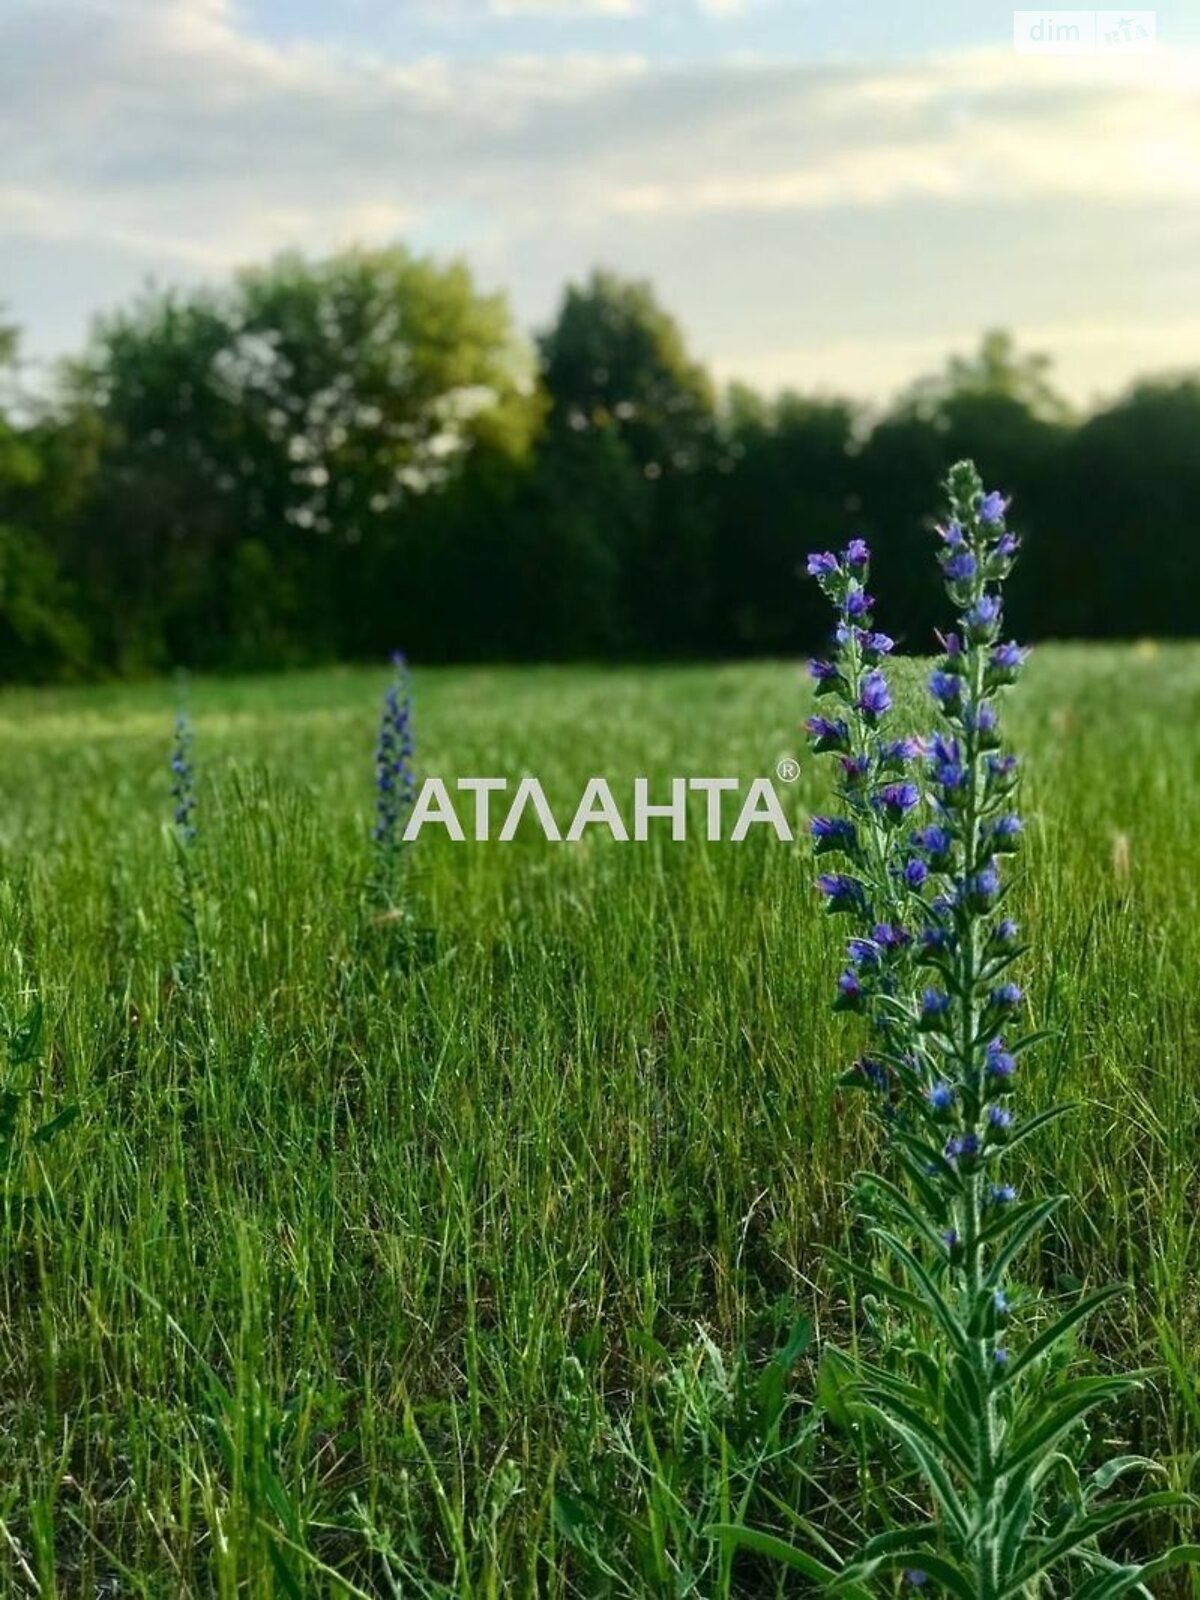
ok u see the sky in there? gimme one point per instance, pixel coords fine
(830, 196)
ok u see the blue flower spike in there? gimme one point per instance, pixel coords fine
(183, 781)
(935, 829)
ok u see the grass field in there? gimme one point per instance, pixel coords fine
(457, 1274)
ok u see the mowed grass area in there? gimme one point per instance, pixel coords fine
(364, 1274)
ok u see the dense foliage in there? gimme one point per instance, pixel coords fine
(323, 458)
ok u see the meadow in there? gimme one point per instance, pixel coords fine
(492, 1261)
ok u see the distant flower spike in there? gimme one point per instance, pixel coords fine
(395, 780)
(183, 786)
(188, 968)
(395, 783)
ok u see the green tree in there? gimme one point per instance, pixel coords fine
(41, 636)
(1126, 558)
(996, 371)
(631, 430)
(19, 465)
(614, 359)
(997, 408)
(785, 486)
(263, 445)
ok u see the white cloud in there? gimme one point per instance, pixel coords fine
(158, 134)
(954, 128)
(566, 10)
(580, 10)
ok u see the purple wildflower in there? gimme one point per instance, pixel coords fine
(897, 752)
(946, 759)
(832, 833)
(844, 893)
(829, 735)
(183, 788)
(962, 1147)
(876, 644)
(945, 687)
(992, 507)
(1007, 830)
(982, 718)
(983, 615)
(915, 872)
(874, 697)
(856, 553)
(1001, 1065)
(985, 885)
(395, 782)
(1007, 657)
(961, 566)
(897, 800)
(940, 1096)
(934, 840)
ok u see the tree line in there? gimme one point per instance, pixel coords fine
(322, 460)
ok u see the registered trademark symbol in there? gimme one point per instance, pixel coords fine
(788, 769)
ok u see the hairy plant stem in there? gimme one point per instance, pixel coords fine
(971, 1074)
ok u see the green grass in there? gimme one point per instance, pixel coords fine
(456, 1276)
